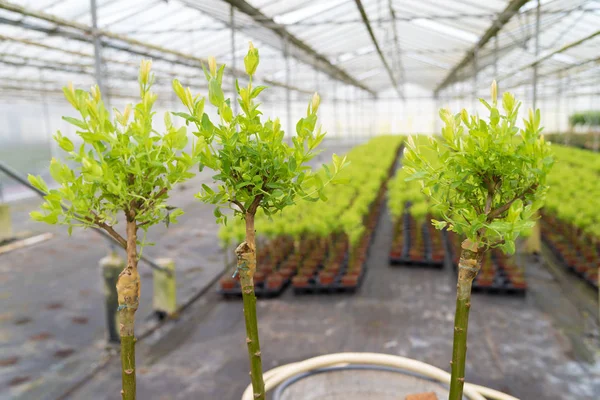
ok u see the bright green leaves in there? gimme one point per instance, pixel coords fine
(489, 178)
(121, 165)
(60, 172)
(64, 142)
(439, 224)
(215, 93)
(215, 80)
(76, 122)
(38, 183)
(185, 95)
(255, 167)
(251, 60)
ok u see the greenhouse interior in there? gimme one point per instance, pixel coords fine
(298, 200)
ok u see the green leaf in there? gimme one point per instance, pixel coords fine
(257, 90)
(76, 122)
(186, 116)
(38, 183)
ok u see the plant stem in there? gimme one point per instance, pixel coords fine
(246, 255)
(468, 267)
(128, 367)
(128, 290)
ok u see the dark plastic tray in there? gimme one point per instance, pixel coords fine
(260, 290)
(405, 261)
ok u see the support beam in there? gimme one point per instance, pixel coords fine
(129, 64)
(549, 55)
(475, 81)
(99, 73)
(511, 9)
(558, 103)
(534, 80)
(312, 57)
(558, 71)
(288, 99)
(365, 19)
(83, 69)
(336, 129)
(233, 57)
(454, 17)
(397, 49)
(133, 46)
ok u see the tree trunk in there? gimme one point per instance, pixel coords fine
(468, 267)
(128, 290)
(246, 256)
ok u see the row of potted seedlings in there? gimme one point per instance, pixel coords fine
(347, 228)
(578, 252)
(416, 242)
(339, 265)
(499, 273)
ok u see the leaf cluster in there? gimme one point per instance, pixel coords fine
(490, 176)
(121, 164)
(255, 167)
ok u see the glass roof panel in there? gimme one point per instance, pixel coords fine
(326, 38)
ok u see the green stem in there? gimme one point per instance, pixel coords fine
(128, 367)
(246, 255)
(468, 267)
(128, 292)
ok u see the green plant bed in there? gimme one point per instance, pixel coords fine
(578, 140)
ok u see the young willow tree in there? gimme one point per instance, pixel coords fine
(488, 184)
(123, 167)
(255, 169)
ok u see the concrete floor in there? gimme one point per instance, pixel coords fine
(514, 345)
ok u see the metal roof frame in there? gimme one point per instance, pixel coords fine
(306, 54)
(511, 9)
(397, 45)
(86, 34)
(384, 61)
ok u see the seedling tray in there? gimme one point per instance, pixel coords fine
(260, 290)
(588, 277)
(315, 287)
(405, 261)
(500, 285)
